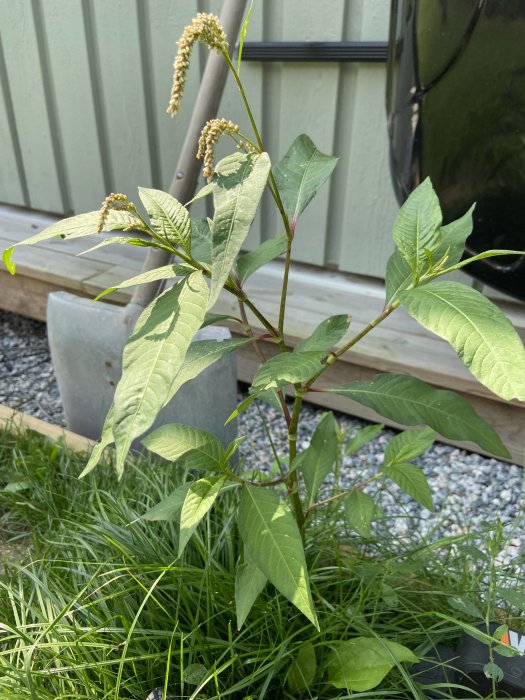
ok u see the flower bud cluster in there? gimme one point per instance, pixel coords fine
(210, 135)
(112, 201)
(206, 29)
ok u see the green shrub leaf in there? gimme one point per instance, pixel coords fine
(106, 439)
(199, 499)
(454, 237)
(410, 401)
(152, 357)
(272, 539)
(481, 335)
(169, 218)
(398, 276)
(240, 182)
(303, 669)
(327, 334)
(361, 664)
(76, 227)
(201, 241)
(466, 606)
(287, 368)
(513, 597)
(201, 355)
(300, 174)
(170, 507)
(249, 584)
(362, 437)
(166, 272)
(319, 458)
(411, 480)
(408, 445)
(247, 264)
(360, 510)
(417, 227)
(193, 447)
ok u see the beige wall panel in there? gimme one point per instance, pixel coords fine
(26, 84)
(72, 86)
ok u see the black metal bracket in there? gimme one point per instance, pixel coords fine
(316, 51)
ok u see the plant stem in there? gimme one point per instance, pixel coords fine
(336, 355)
(292, 448)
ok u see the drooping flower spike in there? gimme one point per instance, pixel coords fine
(206, 29)
(210, 135)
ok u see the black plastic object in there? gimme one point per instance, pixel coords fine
(454, 670)
(456, 113)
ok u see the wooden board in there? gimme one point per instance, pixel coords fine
(21, 421)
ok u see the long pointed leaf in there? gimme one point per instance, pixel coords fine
(327, 334)
(76, 227)
(417, 226)
(481, 335)
(106, 439)
(201, 355)
(410, 401)
(173, 441)
(166, 272)
(320, 456)
(272, 538)
(240, 181)
(287, 368)
(300, 174)
(169, 218)
(247, 264)
(199, 499)
(408, 445)
(412, 480)
(152, 357)
(249, 584)
(170, 507)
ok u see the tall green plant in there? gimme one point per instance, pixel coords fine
(274, 514)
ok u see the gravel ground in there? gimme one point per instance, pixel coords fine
(468, 490)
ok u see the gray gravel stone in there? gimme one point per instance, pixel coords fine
(469, 490)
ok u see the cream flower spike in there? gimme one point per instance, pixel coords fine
(112, 201)
(206, 29)
(210, 135)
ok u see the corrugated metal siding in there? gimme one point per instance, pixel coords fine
(85, 85)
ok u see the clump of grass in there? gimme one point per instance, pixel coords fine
(103, 608)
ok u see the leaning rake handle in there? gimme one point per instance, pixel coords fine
(184, 182)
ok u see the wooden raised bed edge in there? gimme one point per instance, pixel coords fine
(21, 421)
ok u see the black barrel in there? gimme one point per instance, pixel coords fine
(456, 113)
